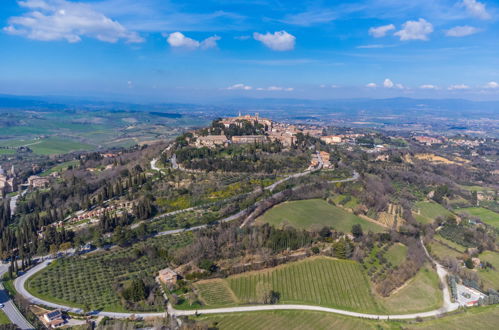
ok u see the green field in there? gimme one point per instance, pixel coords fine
(427, 212)
(3, 318)
(55, 145)
(92, 279)
(283, 320)
(487, 216)
(450, 243)
(421, 293)
(396, 254)
(315, 214)
(490, 277)
(441, 251)
(7, 151)
(470, 318)
(315, 281)
(61, 167)
(347, 201)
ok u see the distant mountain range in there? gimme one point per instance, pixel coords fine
(390, 106)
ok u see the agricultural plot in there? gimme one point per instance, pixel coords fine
(421, 293)
(490, 277)
(313, 214)
(92, 280)
(396, 254)
(61, 167)
(470, 318)
(284, 320)
(216, 292)
(427, 212)
(450, 243)
(347, 201)
(317, 281)
(487, 216)
(54, 145)
(440, 251)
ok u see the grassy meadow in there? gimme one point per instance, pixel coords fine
(396, 254)
(421, 293)
(490, 277)
(4, 320)
(487, 216)
(427, 212)
(315, 214)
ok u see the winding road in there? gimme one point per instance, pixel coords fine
(448, 305)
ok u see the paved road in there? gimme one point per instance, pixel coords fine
(10, 308)
(448, 306)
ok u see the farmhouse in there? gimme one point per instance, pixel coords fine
(53, 319)
(35, 181)
(168, 276)
(211, 141)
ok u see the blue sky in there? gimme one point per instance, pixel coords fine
(161, 50)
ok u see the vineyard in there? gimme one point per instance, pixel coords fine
(215, 293)
(92, 280)
(284, 320)
(317, 281)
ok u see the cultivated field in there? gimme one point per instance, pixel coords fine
(421, 293)
(490, 277)
(93, 279)
(396, 254)
(284, 320)
(441, 251)
(427, 212)
(471, 318)
(487, 216)
(216, 292)
(315, 281)
(315, 214)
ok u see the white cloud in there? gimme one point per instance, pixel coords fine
(311, 17)
(428, 86)
(458, 87)
(399, 86)
(492, 84)
(50, 20)
(371, 85)
(240, 87)
(381, 31)
(278, 88)
(279, 41)
(179, 40)
(415, 30)
(461, 31)
(476, 9)
(388, 83)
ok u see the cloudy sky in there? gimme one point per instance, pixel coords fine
(160, 50)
